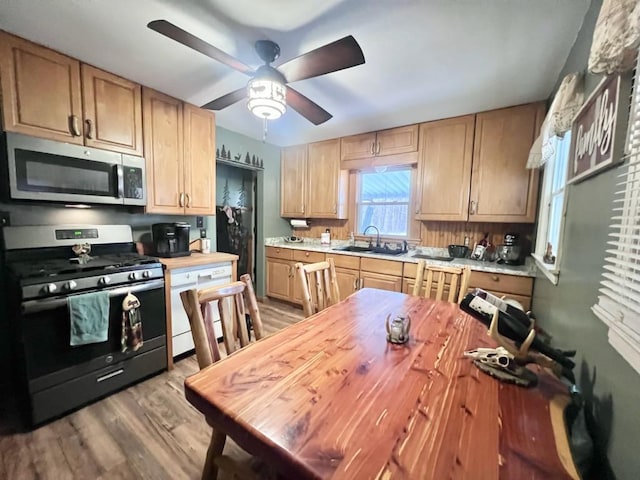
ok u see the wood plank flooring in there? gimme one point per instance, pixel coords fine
(147, 431)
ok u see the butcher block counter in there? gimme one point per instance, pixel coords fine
(196, 259)
(198, 270)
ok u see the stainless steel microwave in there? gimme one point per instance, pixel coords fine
(46, 170)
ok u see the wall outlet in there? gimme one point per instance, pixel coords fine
(199, 222)
(5, 219)
(203, 233)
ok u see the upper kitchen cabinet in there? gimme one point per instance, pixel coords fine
(179, 145)
(112, 111)
(395, 141)
(41, 94)
(49, 95)
(199, 161)
(327, 185)
(312, 183)
(293, 181)
(444, 169)
(502, 188)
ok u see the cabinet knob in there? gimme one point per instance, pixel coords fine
(306, 254)
(495, 278)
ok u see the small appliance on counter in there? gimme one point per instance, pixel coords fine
(458, 251)
(510, 252)
(171, 239)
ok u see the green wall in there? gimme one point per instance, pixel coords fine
(267, 199)
(610, 385)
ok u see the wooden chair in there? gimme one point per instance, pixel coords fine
(457, 279)
(319, 285)
(231, 305)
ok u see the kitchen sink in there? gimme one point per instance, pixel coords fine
(353, 248)
(432, 257)
(387, 251)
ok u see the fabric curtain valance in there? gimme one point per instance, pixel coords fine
(564, 107)
(616, 37)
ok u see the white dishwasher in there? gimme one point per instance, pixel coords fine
(199, 277)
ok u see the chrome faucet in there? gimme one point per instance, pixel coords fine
(377, 236)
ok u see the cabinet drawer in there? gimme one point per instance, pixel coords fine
(307, 257)
(277, 252)
(388, 267)
(345, 261)
(410, 270)
(502, 283)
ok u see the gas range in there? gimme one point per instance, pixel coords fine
(38, 260)
(48, 268)
(47, 277)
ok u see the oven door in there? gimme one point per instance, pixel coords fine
(41, 169)
(45, 334)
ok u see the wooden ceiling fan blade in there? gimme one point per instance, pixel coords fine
(226, 100)
(305, 107)
(174, 32)
(341, 54)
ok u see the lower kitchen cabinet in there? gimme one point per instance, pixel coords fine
(347, 273)
(181, 279)
(510, 286)
(382, 274)
(282, 279)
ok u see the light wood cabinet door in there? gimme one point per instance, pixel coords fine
(502, 188)
(348, 281)
(279, 279)
(381, 281)
(357, 146)
(326, 183)
(444, 169)
(112, 112)
(162, 117)
(41, 93)
(293, 181)
(199, 161)
(397, 140)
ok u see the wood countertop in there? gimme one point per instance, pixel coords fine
(196, 259)
(329, 398)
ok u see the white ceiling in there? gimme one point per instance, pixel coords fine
(425, 59)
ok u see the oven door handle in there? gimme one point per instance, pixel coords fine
(42, 304)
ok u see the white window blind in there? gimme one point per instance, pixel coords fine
(619, 300)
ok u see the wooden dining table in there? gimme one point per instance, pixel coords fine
(329, 397)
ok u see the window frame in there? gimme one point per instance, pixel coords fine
(413, 227)
(547, 194)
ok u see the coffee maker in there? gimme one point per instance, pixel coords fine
(171, 239)
(510, 252)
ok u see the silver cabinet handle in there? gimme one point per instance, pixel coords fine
(110, 375)
(372, 149)
(188, 200)
(89, 133)
(472, 208)
(181, 201)
(377, 148)
(75, 125)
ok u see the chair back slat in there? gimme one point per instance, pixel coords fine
(252, 304)
(456, 279)
(319, 285)
(231, 298)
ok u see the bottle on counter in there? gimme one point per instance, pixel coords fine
(325, 238)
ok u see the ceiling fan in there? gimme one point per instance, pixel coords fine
(267, 90)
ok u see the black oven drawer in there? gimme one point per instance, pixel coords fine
(69, 395)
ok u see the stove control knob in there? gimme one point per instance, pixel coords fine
(70, 285)
(49, 288)
(104, 280)
(133, 276)
(146, 274)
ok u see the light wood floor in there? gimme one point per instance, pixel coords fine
(147, 431)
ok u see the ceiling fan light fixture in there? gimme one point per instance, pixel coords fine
(267, 98)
